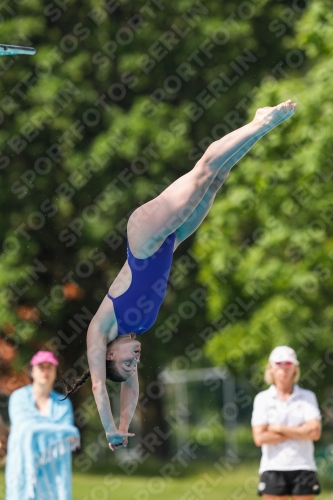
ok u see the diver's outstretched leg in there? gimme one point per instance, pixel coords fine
(200, 212)
(151, 223)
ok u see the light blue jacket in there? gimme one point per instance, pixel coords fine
(39, 461)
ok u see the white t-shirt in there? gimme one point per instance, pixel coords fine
(300, 407)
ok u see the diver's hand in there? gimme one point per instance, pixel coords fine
(116, 439)
(125, 431)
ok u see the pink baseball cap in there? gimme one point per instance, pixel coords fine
(44, 357)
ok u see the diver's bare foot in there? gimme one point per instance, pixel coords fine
(270, 117)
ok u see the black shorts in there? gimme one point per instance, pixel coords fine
(291, 482)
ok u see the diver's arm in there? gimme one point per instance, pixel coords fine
(96, 349)
(129, 395)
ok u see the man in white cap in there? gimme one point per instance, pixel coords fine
(285, 422)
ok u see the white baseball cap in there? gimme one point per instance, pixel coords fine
(283, 353)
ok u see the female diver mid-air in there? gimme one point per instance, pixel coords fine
(154, 231)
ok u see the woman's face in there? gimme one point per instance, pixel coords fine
(125, 352)
(283, 372)
(44, 374)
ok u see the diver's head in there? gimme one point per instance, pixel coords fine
(122, 357)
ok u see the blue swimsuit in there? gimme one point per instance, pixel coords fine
(136, 309)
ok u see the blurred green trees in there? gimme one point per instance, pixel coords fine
(269, 271)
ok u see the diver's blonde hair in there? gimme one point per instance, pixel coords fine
(269, 379)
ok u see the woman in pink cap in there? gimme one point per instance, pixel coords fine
(154, 231)
(42, 435)
(285, 422)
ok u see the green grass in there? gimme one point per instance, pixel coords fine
(207, 484)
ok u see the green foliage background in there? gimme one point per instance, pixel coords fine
(88, 48)
(274, 243)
